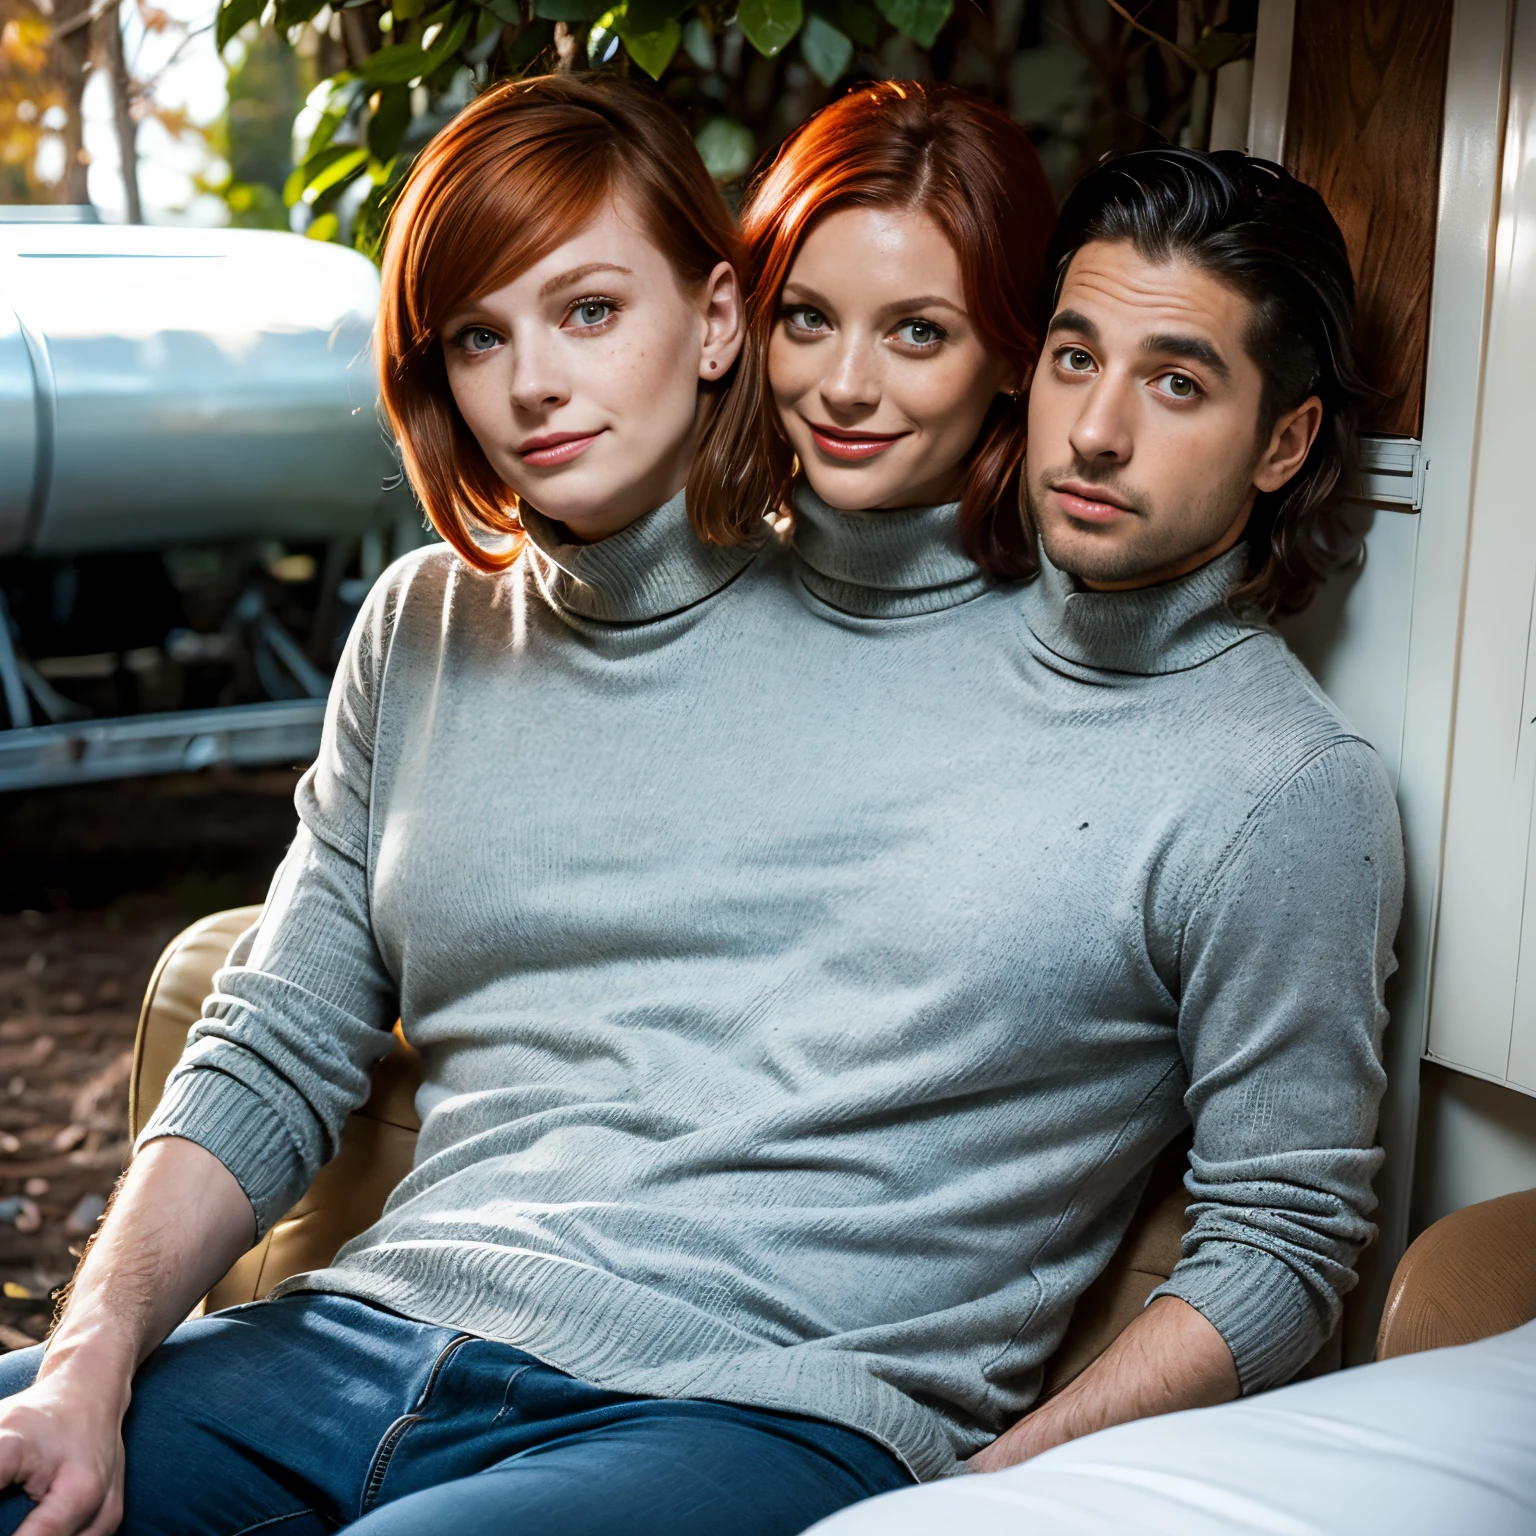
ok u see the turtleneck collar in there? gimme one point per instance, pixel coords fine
(1167, 628)
(654, 567)
(884, 565)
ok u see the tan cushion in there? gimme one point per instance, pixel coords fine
(173, 1003)
(379, 1142)
(1469, 1276)
(1144, 1259)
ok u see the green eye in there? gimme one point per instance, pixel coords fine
(807, 319)
(477, 338)
(591, 312)
(919, 333)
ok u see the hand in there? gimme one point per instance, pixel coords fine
(62, 1441)
(1168, 1359)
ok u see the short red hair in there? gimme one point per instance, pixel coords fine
(933, 149)
(519, 171)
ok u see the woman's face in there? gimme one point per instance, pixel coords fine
(580, 378)
(878, 372)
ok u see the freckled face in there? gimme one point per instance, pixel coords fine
(580, 378)
(1144, 452)
(878, 372)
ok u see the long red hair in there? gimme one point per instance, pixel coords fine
(519, 171)
(932, 149)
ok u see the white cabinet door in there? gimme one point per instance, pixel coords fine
(1483, 1002)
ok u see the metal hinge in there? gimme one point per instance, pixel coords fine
(1391, 472)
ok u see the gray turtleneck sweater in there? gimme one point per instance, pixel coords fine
(808, 956)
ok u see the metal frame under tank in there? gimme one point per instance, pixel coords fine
(193, 494)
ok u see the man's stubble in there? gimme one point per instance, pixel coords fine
(1160, 538)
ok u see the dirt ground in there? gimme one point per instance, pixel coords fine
(94, 882)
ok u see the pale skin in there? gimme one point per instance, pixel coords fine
(878, 372)
(580, 378)
(1144, 459)
(602, 348)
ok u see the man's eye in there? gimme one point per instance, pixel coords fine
(591, 312)
(919, 333)
(803, 318)
(1076, 359)
(1179, 385)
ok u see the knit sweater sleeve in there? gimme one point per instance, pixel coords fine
(1280, 1022)
(287, 1041)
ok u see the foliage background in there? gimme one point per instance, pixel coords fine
(378, 77)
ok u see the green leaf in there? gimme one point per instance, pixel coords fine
(390, 119)
(338, 108)
(400, 63)
(570, 10)
(504, 10)
(322, 171)
(294, 13)
(770, 24)
(525, 46)
(921, 20)
(861, 22)
(603, 40)
(827, 51)
(312, 165)
(1217, 48)
(343, 168)
(326, 227)
(368, 225)
(642, 16)
(727, 148)
(233, 15)
(653, 51)
(700, 43)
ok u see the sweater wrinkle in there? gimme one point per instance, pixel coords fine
(651, 569)
(1152, 631)
(884, 564)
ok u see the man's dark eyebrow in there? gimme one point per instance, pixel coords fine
(1073, 320)
(580, 274)
(1195, 348)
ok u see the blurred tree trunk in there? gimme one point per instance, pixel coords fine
(71, 63)
(122, 110)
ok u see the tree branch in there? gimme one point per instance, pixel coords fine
(1157, 37)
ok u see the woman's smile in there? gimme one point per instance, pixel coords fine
(556, 448)
(851, 446)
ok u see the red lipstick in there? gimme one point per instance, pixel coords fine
(849, 446)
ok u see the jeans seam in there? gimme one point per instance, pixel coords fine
(379, 1468)
(262, 1525)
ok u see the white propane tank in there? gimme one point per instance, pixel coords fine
(163, 386)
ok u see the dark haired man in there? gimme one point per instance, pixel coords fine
(1191, 414)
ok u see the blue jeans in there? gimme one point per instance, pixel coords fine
(304, 1415)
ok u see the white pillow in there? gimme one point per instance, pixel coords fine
(1441, 1443)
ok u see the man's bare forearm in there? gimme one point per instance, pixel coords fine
(177, 1222)
(1169, 1358)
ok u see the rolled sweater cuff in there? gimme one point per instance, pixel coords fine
(233, 1122)
(1258, 1305)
